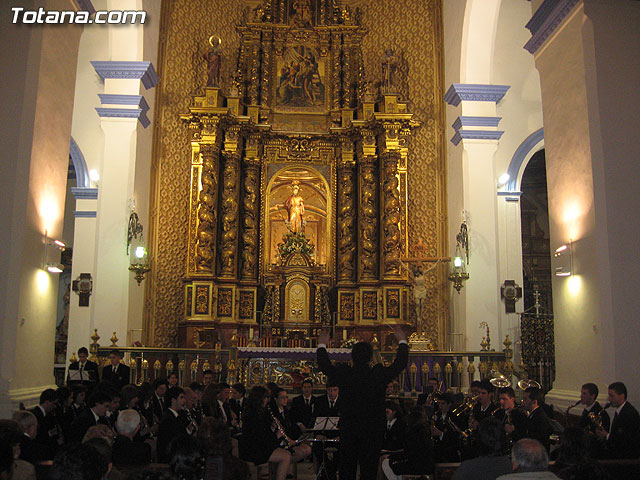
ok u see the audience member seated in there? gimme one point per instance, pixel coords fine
(185, 460)
(417, 454)
(491, 463)
(127, 450)
(529, 460)
(214, 438)
(6, 460)
(129, 397)
(11, 433)
(103, 447)
(30, 450)
(572, 456)
(78, 461)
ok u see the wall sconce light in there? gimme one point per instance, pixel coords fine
(460, 259)
(52, 265)
(139, 260)
(563, 256)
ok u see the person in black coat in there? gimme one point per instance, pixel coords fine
(126, 449)
(302, 406)
(261, 441)
(117, 373)
(99, 404)
(538, 424)
(623, 438)
(158, 403)
(236, 402)
(173, 424)
(83, 372)
(417, 453)
(362, 392)
(30, 450)
(49, 431)
(445, 430)
(327, 406)
(394, 434)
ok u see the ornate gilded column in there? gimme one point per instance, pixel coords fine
(347, 74)
(368, 241)
(250, 214)
(207, 208)
(391, 215)
(253, 68)
(336, 51)
(229, 207)
(346, 214)
(265, 80)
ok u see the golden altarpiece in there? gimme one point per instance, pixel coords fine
(298, 200)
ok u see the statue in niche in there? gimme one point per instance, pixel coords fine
(214, 60)
(389, 66)
(295, 209)
(302, 16)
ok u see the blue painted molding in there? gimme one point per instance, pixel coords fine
(545, 21)
(476, 135)
(127, 70)
(512, 199)
(464, 121)
(111, 99)
(84, 193)
(124, 113)
(470, 92)
(79, 165)
(518, 158)
(87, 6)
(85, 214)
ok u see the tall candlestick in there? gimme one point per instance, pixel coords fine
(251, 332)
(344, 334)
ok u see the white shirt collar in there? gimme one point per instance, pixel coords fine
(173, 411)
(390, 424)
(44, 412)
(97, 418)
(589, 407)
(620, 407)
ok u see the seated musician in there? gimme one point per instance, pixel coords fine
(327, 405)
(416, 456)
(222, 410)
(484, 407)
(623, 438)
(302, 406)
(446, 431)
(262, 440)
(513, 420)
(588, 396)
(280, 408)
(394, 434)
(538, 424)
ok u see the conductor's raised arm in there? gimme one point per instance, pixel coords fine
(402, 356)
(322, 356)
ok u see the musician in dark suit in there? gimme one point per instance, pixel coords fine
(362, 391)
(99, 404)
(302, 406)
(87, 371)
(126, 449)
(327, 405)
(393, 436)
(117, 373)
(49, 431)
(538, 424)
(173, 423)
(280, 410)
(623, 438)
(513, 421)
(222, 409)
(445, 430)
(484, 407)
(158, 402)
(236, 402)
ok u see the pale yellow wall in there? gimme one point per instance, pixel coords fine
(44, 122)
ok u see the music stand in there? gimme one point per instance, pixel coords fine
(324, 424)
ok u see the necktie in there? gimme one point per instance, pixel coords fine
(330, 404)
(81, 369)
(306, 401)
(615, 415)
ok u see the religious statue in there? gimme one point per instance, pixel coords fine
(302, 16)
(389, 65)
(417, 277)
(214, 60)
(295, 209)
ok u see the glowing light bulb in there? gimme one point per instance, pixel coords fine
(140, 252)
(457, 262)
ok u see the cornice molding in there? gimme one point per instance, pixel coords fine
(546, 20)
(471, 92)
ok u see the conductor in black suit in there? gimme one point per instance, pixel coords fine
(116, 373)
(623, 438)
(362, 390)
(87, 371)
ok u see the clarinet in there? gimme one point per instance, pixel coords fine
(286, 442)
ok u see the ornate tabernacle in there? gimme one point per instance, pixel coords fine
(298, 200)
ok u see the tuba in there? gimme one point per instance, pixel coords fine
(524, 384)
(499, 380)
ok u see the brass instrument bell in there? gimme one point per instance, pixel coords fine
(524, 384)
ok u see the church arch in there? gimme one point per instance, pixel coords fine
(532, 144)
(79, 165)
